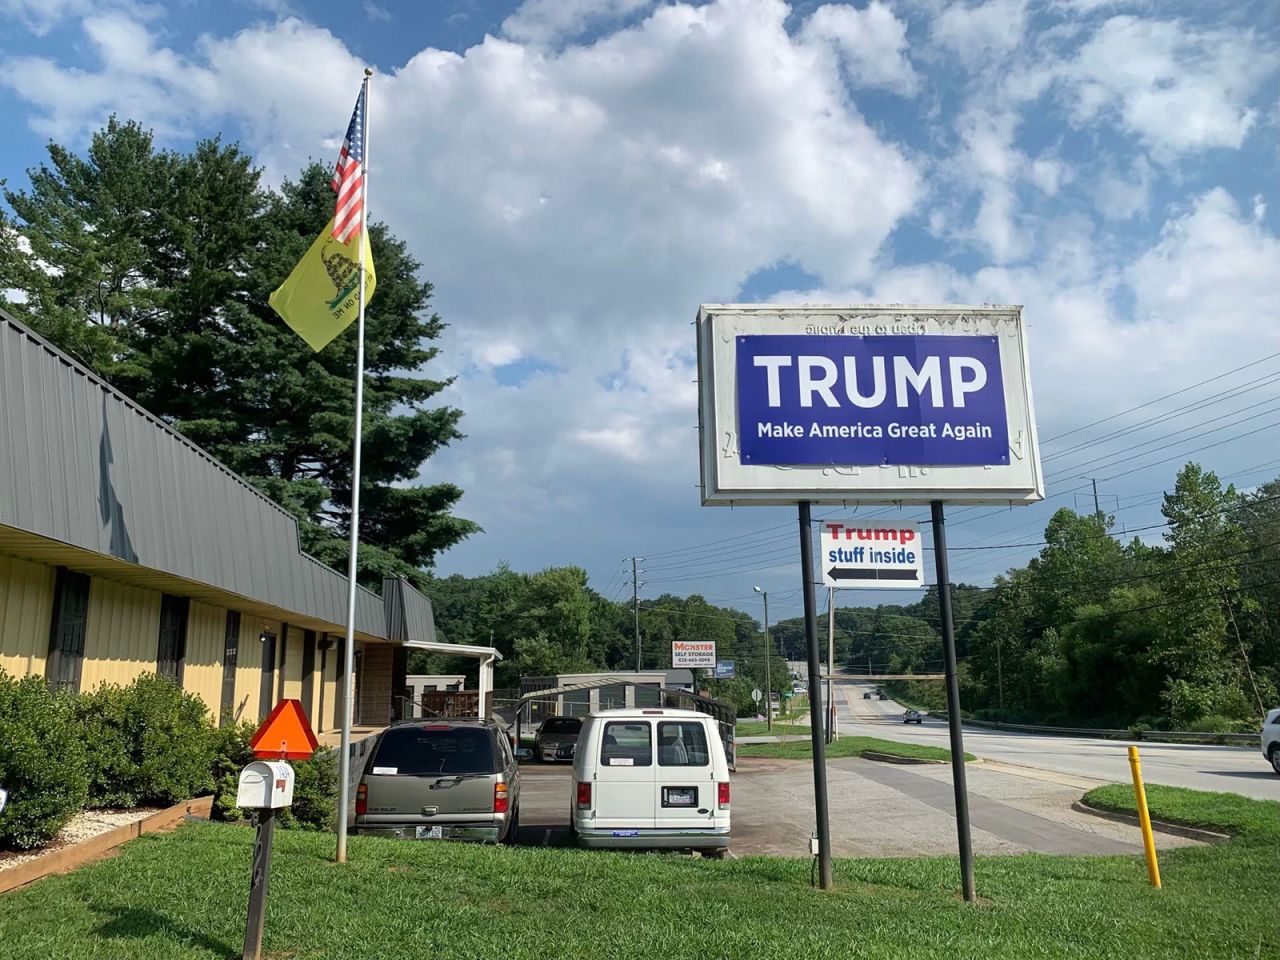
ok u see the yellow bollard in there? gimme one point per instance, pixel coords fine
(1144, 818)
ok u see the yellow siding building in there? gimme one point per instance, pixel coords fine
(126, 549)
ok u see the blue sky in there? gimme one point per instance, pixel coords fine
(578, 176)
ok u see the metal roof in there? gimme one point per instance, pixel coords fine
(83, 465)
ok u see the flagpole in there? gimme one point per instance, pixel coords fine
(348, 676)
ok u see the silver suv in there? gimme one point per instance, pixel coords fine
(1271, 739)
(448, 779)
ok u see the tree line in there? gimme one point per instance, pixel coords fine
(153, 267)
(1176, 628)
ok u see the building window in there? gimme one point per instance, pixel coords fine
(171, 650)
(265, 699)
(309, 674)
(67, 630)
(230, 658)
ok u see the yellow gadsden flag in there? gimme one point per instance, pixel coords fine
(321, 296)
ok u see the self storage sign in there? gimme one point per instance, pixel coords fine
(922, 400)
(871, 555)
(693, 654)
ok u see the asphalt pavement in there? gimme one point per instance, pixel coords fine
(1199, 766)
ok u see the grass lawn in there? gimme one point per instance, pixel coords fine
(844, 747)
(181, 896)
(760, 728)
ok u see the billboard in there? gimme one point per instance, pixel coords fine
(871, 556)
(693, 654)
(865, 404)
(726, 670)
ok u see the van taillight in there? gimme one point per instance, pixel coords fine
(584, 795)
(362, 800)
(722, 795)
(501, 803)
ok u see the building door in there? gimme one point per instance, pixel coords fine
(308, 674)
(67, 631)
(230, 657)
(340, 673)
(171, 649)
(266, 700)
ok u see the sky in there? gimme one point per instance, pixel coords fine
(577, 176)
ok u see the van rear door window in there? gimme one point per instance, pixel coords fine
(626, 744)
(682, 744)
(416, 751)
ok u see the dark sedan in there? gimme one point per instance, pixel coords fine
(556, 737)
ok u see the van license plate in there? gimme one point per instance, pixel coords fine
(430, 833)
(679, 796)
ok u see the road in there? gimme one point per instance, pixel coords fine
(1202, 767)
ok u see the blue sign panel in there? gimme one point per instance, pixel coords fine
(725, 670)
(866, 401)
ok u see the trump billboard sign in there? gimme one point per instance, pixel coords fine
(849, 404)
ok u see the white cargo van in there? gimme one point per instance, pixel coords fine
(651, 778)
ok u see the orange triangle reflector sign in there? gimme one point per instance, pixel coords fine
(285, 734)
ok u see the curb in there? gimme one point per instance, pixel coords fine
(892, 758)
(1161, 826)
(66, 859)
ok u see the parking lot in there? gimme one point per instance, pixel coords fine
(877, 810)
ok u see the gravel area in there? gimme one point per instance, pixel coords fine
(83, 826)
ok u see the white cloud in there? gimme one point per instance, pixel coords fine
(42, 16)
(547, 22)
(871, 43)
(375, 12)
(1175, 88)
(983, 30)
(1119, 196)
(1213, 266)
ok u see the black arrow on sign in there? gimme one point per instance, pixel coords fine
(870, 573)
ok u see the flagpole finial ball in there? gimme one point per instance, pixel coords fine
(368, 71)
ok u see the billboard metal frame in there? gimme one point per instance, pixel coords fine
(726, 481)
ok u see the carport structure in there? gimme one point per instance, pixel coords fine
(486, 655)
(725, 714)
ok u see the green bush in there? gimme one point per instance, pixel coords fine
(42, 762)
(148, 743)
(315, 785)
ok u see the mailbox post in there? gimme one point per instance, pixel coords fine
(265, 786)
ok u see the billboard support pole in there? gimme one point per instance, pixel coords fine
(815, 699)
(953, 701)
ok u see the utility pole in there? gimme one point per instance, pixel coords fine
(1097, 510)
(768, 656)
(635, 604)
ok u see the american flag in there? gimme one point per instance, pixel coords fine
(348, 179)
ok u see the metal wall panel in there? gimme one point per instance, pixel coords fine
(26, 610)
(206, 641)
(408, 613)
(83, 464)
(122, 633)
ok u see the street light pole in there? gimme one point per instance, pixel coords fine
(768, 656)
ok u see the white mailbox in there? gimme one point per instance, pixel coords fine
(266, 784)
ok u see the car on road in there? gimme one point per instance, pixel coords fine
(867, 695)
(1271, 739)
(651, 778)
(912, 716)
(440, 779)
(556, 737)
